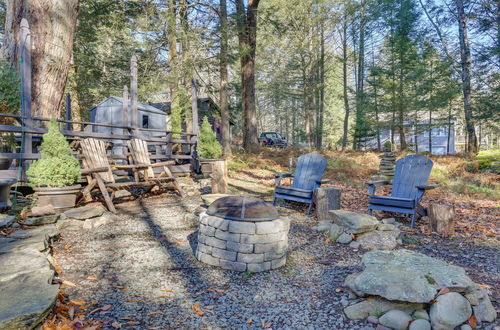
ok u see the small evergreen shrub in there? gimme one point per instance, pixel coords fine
(208, 146)
(57, 167)
(388, 145)
(10, 94)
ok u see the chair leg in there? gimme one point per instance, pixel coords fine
(105, 194)
(309, 209)
(369, 211)
(412, 220)
(274, 201)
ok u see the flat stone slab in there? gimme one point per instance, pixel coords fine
(85, 212)
(49, 231)
(354, 223)
(23, 262)
(407, 276)
(6, 220)
(210, 198)
(12, 245)
(25, 300)
(42, 220)
(379, 240)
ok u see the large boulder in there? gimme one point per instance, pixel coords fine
(26, 299)
(354, 223)
(379, 240)
(85, 212)
(449, 310)
(405, 275)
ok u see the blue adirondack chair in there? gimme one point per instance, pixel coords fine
(408, 188)
(306, 179)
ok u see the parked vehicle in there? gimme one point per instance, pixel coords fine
(272, 139)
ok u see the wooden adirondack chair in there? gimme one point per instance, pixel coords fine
(139, 155)
(306, 179)
(408, 188)
(98, 172)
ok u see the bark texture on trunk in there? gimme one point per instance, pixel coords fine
(224, 95)
(52, 27)
(344, 80)
(247, 34)
(466, 63)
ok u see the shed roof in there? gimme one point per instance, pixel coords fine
(140, 106)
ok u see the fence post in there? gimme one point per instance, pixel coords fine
(196, 131)
(125, 117)
(68, 110)
(133, 94)
(25, 59)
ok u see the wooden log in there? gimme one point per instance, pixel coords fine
(326, 199)
(441, 219)
(219, 177)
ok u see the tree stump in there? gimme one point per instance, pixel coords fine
(219, 177)
(326, 199)
(441, 219)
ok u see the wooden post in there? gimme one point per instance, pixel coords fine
(441, 219)
(194, 107)
(133, 94)
(125, 117)
(219, 177)
(68, 110)
(326, 199)
(25, 51)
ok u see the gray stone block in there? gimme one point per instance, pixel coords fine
(277, 263)
(273, 255)
(250, 257)
(221, 234)
(231, 265)
(218, 223)
(201, 238)
(208, 259)
(207, 230)
(239, 247)
(204, 248)
(224, 254)
(204, 218)
(215, 242)
(260, 267)
(267, 238)
(241, 227)
(268, 227)
(278, 247)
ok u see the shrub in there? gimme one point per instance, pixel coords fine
(10, 94)
(57, 167)
(388, 145)
(489, 160)
(208, 146)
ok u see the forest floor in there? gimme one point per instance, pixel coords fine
(140, 272)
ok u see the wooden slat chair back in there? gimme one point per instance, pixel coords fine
(306, 179)
(94, 153)
(408, 187)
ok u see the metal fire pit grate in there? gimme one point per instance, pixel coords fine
(243, 209)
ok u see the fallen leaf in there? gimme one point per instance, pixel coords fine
(68, 283)
(57, 269)
(103, 308)
(91, 278)
(155, 328)
(77, 302)
(216, 290)
(132, 300)
(181, 241)
(132, 322)
(152, 313)
(167, 290)
(339, 290)
(196, 308)
(473, 321)
(67, 247)
(484, 286)
(84, 307)
(163, 296)
(249, 320)
(116, 325)
(266, 325)
(162, 239)
(126, 318)
(443, 291)
(121, 287)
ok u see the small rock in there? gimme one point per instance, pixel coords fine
(395, 319)
(420, 324)
(6, 220)
(374, 306)
(381, 327)
(321, 228)
(379, 240)
(354, 245)
(335, 231)
(372, 319)
(352, 222)
(344, 238)
(85, 212)
(420, 314)
(449, 310)
(344, 302)
(386, 227)
(97, 222)
(15, 225)
(484, 311)
(38, 211)
(465, 327)
(388, 220)
(43, 220)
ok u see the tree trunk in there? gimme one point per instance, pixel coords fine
(326, 199)
(176, 119)
(319, 137)
(219, 177)
(224, 94)
(402, 138)
(247, 34)
(449, 131)
(441, 219)
(52, 47)
(344, 80)
(466, 63)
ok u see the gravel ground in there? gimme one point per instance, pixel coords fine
(145, 268)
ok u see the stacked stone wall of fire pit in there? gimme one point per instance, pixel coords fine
(243, 246)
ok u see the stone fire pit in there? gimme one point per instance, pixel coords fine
(243, 234)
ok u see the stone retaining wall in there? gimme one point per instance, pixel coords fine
(242, 245)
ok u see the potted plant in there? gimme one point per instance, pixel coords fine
(208, 148)
(54, 175)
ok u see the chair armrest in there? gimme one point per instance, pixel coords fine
(161, 164)
(94, 170)
(136, 166)
(279, 176)
(428, 186)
